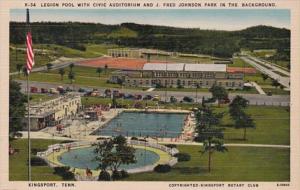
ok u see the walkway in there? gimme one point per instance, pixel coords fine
(258, 88)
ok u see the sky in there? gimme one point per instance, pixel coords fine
(219, 19)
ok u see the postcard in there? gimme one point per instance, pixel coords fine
(149, 94)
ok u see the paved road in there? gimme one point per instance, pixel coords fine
(268, 64)
(44, 68)
(254, 99)
(285, 81)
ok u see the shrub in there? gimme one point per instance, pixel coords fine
(36, 150)
(116, 175)
(183, 157)
(124, 173)
(37, 161)
(134, 138)
(65, 172)
(162, 168)
(104, 176)
(171, 145)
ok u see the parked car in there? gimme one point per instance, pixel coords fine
(116, 93)
(61, 89)
(188, 99)
(80, 90)
(147, 97)
(269, 93)
(156, 98)
(128, 96)
(68, 89)
(138, 97)
(53, 91)
(44, 90)
(107, 93)
(173, 99)
(33, 89)
(225, 101)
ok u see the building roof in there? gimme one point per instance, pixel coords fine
(206, 67)
(163, 67)
(184, 67)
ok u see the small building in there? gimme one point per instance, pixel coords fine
(181, 75)
(135, 52)
(51, 112)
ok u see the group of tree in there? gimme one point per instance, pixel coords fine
(187, 40)
(17, 108)
(241, 119)
(110, 154)
(219, 93)
(209, 132)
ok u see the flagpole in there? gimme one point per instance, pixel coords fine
(28, 109)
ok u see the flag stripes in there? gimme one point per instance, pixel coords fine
(30, 54)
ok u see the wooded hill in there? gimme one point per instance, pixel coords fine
(186, 40)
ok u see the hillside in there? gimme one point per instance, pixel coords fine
(186, 40)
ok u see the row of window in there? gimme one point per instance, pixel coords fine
(183, 83)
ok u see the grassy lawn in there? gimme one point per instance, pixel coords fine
(238, 164)
(18, 163)
(272, 126)
(276, 91)
(238, 62)
(53, 52)
(258, 79)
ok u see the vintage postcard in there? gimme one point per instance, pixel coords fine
(149, 94)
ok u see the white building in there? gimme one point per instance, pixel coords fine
(51, 112)
(181, 75)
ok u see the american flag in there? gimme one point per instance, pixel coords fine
(30, 54)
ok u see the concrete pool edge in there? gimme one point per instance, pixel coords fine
(53, 151)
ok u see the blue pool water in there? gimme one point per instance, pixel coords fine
(144, 124)
(84, 158)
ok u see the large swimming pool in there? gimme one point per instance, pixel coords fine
(143, 124)
(85, 158)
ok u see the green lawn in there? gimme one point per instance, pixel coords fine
(238, 62)
(18, 163)
(276, 91)
(238, 164)
(272, 126)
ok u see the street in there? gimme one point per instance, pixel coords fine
(254, 99)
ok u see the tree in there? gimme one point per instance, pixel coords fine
(105, 68)
(71, 76)
(218, 93)
(114, 152)
(237, 112)
(264, 76)
(244, 121)
(209, 133)
(275, 83)
(237, 105)
(62, 72)
(19, 68)
(17, 108)
(49, 66)
(71, 67)
(99, 71)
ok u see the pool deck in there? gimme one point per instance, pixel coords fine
(78, 130)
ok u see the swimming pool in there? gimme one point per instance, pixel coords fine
(83, 158)
(150, 124)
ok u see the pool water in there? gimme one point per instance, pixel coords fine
(144, 124)
(84, 158)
